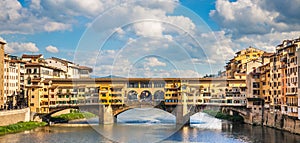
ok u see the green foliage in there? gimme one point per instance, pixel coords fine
(21, 126)
(221, 115)
(73, 115)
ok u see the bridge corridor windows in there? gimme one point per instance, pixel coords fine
(159, 84)
(145, 85)
(132, 85)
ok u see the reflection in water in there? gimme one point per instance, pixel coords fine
(139, 125)
(146, 115)
(204, 121)
(140, 132)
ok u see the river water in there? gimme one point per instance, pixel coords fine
(149, 126)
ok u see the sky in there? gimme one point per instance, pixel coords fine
(153, 38)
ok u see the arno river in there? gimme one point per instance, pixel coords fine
(155, 127)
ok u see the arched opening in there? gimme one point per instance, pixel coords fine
(132, 95)
(145, 96)
(159, 95)
(145, 115)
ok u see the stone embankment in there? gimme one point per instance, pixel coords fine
(282, 122)
(14, 116)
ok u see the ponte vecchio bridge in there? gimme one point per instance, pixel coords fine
(108, 97)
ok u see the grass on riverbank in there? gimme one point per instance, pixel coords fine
(73, 116)
(221, 115)
(21, 126)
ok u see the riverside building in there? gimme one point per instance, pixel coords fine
(2, 98)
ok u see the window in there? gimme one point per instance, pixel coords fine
(255, 85)
(32, 96)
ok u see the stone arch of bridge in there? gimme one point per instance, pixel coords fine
(46, 117)
(132, 95)
(159, 95)
(145, 95)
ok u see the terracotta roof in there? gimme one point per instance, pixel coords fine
(46, 81)
(41, 65)
(36, 80)
(85, 68)
(61, 60)
(33, 64)
(31, 56)
(266, 54)
(53, 87)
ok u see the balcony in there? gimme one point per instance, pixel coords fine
(291, 94)
(292, 104)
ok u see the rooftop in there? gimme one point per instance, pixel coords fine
(32, 56)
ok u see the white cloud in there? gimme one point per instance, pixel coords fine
(153, 62)
(16, 47)
(52, 49)
(151, 29)
(56, 26)
(256, 17)
(120, 31)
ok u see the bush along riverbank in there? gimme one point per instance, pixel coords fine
(220, 115)
(74, 115)
(21, 126)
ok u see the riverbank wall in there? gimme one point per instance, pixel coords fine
(282, 122)
(261, 117)
(14, 116)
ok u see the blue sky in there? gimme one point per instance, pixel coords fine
(186, 38)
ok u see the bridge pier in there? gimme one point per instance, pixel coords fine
(181, 119)
(106, 115)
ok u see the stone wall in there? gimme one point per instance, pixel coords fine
(14, 116)
(274, 120)
(253, 119)
(283, 122)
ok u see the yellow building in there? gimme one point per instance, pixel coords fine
(240, 65)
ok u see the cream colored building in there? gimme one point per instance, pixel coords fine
(14, 71)
(2, 99)
(71, 69)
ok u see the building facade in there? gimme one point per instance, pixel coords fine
(277, 79)
(70, 69)
(14, 72)
(2, 99)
